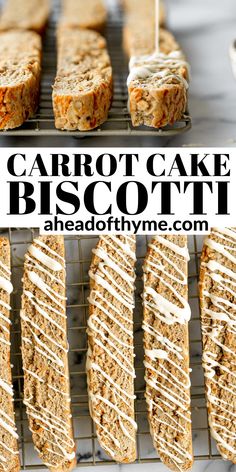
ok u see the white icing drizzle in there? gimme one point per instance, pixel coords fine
(165, 370)
(51, 308)
(159, 66)
(103, 330)
(7, 423)
(218, 321)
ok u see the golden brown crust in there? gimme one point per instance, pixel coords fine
(20, 71)
(75, 15)
(217, 301)
(12, 463)
(166, 348)
(25, 15)
(110, 353)
(83, 87)
(44, 352)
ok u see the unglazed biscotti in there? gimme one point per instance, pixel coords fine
(45, 353)
(9, 454)
(82, 92)
(89, 15)
(145, 8)
(166, 346)
(20, 71)
(25, 15)
(110, 361)
(218, 317)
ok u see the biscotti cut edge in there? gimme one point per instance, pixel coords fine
(108, 374)
(81, 101)
(19, 99)
(45, 353)
(16, 16)
(217, 336)
(166, 346)
(9, 456)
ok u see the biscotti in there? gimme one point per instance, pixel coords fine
(9, 454)
(218, 317)
(25, 15)
(82, 93)
(158, 89)
(146, 9)
(166, 345)
(110, 361)
(20, 70)
(45, 353)
(77, 14)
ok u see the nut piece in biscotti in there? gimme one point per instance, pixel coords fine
(158, 87)
(166, 346)
(83, 89)
(218, 318)
(45, 353)
(9, 453)
(110, 361)
(25, 15)
(20, 71)
(78, 14)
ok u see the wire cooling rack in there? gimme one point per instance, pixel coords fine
(89, 453)
(118, 123)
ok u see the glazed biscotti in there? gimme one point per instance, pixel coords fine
(44, 352)
(218, 315)
(77, 14)
(166, 345)
(9, 454)
(20, 70)
(25, 15)
(110, 362)
(158, 81)
(82, 93)
(158, 89)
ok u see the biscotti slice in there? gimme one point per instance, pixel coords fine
(218, 317)
(110, 361)
(9, 454)
(77, 14)
(145, 8)
(82, 92)
(166, 345)
(45, 353)
(25, 15)
(20, 70)
(158, 86)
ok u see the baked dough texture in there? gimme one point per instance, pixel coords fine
(166, 346)
(9, 453)
(20, 72)
(218, 317)
(110, 362)
(83, 89)
(45, 353)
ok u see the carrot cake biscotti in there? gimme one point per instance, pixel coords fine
(20, 70)
(44, 352)
(166, 344)
(158, 80)
(82, 92)
(218, 307)
(110, 362)
(9, 454)
(89, 15)
(25, 15)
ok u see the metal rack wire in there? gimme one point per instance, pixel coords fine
(118, 123)
(89, 453)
